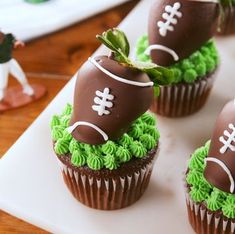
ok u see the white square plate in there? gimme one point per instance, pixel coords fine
(32, 188)
(26, 20)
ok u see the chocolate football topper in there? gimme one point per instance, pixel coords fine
(111, 92)
(220, 163)
(177, 28)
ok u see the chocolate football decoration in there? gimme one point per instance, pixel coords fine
(112, 92)
(108, 98)
(177, 28)
(220, 163)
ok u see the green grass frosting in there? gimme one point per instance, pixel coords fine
(202, 191)
(141, 138)
(198, 65)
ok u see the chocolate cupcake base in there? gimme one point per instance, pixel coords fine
(228, 25)
(204, 221)
(183, 99)
(108, 189)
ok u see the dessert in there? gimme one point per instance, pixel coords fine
(227, 21)
(179, 37)
(107, 142)
(210, 179)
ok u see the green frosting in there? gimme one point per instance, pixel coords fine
(141, 138)
(196, 66)
(62, 146)
(148, 141)
(135, 131)
(95, 161)
(78, 158)
(109, 148)
(137, 149)
(148, 119)
(67, 110)
(67, 135)
(194, 177)
(123, 154)
(65, 121)
(57, 132)
(110, 162)
(198, 194)
(228, 207)
(202, 191)
(73, 146)
(197, 159)
(125, 139)
(153, 132)
(216, 200)
(55, 121)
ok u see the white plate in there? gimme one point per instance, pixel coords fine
(31, 185)
(27, 20)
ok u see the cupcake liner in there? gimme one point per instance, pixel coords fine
(228, 25)
(204, 221)
(182, 99)
(106, 192)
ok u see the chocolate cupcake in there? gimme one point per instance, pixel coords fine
(179, 37)
(227, 21)
(210, 177)
(106, 143)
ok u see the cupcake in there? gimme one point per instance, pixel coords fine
(179, 38)
(106, 143)
(227, 21)
(210, 192)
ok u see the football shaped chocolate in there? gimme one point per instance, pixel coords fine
(109, 96)
(220, 163)
(177, 28)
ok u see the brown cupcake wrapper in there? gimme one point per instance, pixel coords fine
(228, 24)
(107, 193)
(182, 99)
(204, 221)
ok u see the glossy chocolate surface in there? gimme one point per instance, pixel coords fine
(223, 152)
(196, 25)
(129, 101)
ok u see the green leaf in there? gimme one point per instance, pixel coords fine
(104, 41)
(159, 75)
(119, 40)
(116, 40)
(143, 65)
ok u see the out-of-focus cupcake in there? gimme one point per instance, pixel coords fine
(227, 21)
(210, 178)
(179, 38)
(192, 82)
(106, 143)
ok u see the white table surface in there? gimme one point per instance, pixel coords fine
(32, 188)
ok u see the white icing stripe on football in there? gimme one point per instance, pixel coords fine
(120, 79)
(226, 170)
(215, 1)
